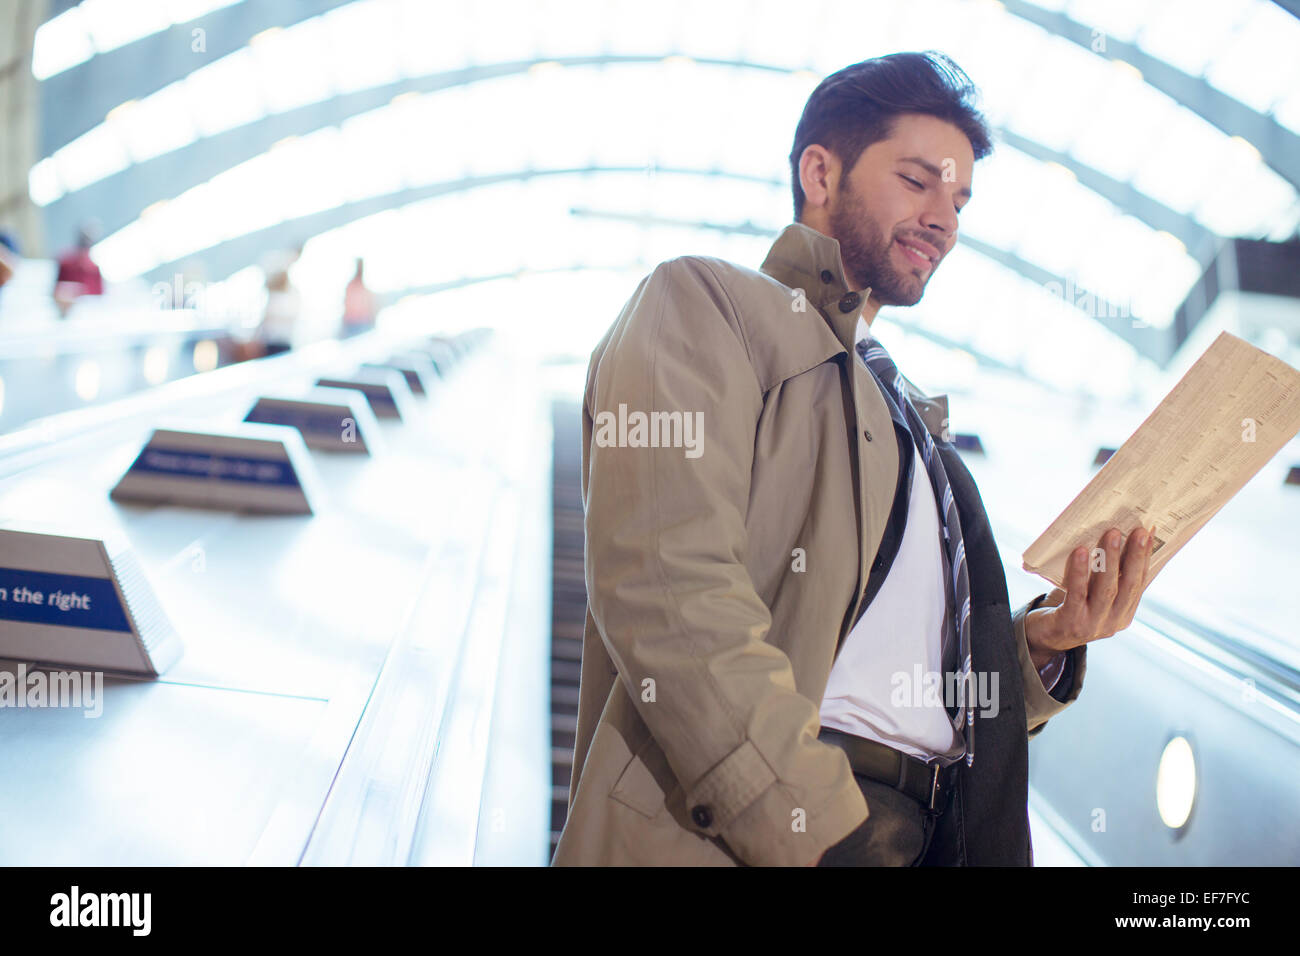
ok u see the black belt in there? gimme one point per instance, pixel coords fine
(927, 783)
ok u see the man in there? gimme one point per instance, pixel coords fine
(753, 605)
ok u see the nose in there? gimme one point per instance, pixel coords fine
(939, 218)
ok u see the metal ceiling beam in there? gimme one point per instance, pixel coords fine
(1278, 146)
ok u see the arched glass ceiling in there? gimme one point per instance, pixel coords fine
(639, 115)
(680, 113)
(1246, 48)
(1055, 92)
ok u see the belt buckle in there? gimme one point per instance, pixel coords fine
(934, 785)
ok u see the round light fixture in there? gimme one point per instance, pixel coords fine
(1176, 783)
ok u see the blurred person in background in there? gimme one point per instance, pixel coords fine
(358, 304)
(78, 275)
(283, 303)
(9, 256)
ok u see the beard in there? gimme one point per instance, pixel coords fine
(866, 250)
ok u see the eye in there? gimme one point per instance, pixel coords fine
(914, 182)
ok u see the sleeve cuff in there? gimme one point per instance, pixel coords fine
(741, 801)
(1041, 703)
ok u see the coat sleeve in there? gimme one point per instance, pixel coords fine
(670, 593)
(1039, 704)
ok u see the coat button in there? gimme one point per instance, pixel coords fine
(876, 564)
(828, 276)
(850, 302)
(866, 434)
(702, 816)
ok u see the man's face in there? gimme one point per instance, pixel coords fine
(895, 213)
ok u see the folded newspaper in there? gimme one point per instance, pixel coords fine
(1224, 420)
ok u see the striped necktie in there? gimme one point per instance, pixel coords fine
(878, 360)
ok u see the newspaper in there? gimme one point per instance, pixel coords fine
(1224, 420)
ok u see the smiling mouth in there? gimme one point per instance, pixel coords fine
(914, 255)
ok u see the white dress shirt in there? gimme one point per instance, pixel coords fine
(906, 632)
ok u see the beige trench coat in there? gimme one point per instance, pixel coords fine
(706, 653)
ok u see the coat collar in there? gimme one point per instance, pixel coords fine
(804, 259)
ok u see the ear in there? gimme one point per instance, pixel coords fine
(819, 171)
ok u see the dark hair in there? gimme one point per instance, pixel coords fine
(856, 106)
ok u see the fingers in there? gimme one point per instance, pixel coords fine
(1076, 584)
(1133, 567)
(1131, 577)
(1098, 603)
(1103, 585)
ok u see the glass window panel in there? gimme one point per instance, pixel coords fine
(432, 38)
(126, 253)
(1242, 196)
(504, 31)
(1052, 101)
(985, 32)
(294, 67)
(114, 23)
(1173, 170)
(157, 124)
(357, 43)
(1259, 62)
(1123, 122)
(43, 183)
(566, 28)
(777, 38)
(1189, 33)
(90, 157)
(448, 125)
(633, 29)
(60, 43)
(370, 165)
(226, 93)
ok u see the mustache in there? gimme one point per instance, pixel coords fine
(942, 245)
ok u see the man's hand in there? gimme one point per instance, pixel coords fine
(1093, 605)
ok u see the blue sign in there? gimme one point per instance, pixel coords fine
(68, 600)
(197, 464)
